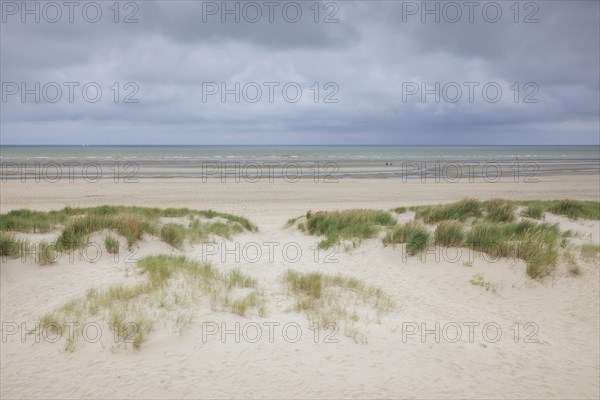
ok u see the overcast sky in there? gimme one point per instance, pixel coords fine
(370, 61)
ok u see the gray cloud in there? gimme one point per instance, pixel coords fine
(368, 55)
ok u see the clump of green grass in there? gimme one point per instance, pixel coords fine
(291, 222)
(72, 237)
(490, 239)
(199, 231)
(499, 210)
(133, 328)
(347, 224)
(132, 226)
(251, 300)
(571, 208)
(12, 247)
(541, 261)
(535, 211)
(459, 211)
(399, 210)
(31, 221)
(413, 233)
(449, 233)
(173, 234)
(308, 284)
(226, 230)
(590, 252)
(76, 233)
(479, 280)
(111, 244)
(535, 243)
(238, 279)
(136, 305)
(321, 297)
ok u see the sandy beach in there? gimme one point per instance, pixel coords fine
(444, 338)
(275, 202)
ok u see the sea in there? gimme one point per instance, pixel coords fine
(388, 162)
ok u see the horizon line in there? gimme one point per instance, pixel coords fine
(293, 145)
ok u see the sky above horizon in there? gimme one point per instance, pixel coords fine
(304, 72)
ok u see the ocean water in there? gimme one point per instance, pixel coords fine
(349, 161)
(290, 153)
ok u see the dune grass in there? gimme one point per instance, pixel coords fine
(458, 211)
(449, 233)
(348, 224)
(573, 209)
(327, 299)
(131, 310)
(12, 247)
(535, 211)
(76, 232)
(77, 224)
(251, 300)
(499, 210)
(43, 253)
(199, 231)
(111, 244)
(173, 234)
(494, 210)
(413, 233)
(237, 279)
(535, 243)
(492, 228)
(32, 221)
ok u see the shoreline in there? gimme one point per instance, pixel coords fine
(291, 170)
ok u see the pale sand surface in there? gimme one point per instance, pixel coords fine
(563, 364)
(275, 202)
